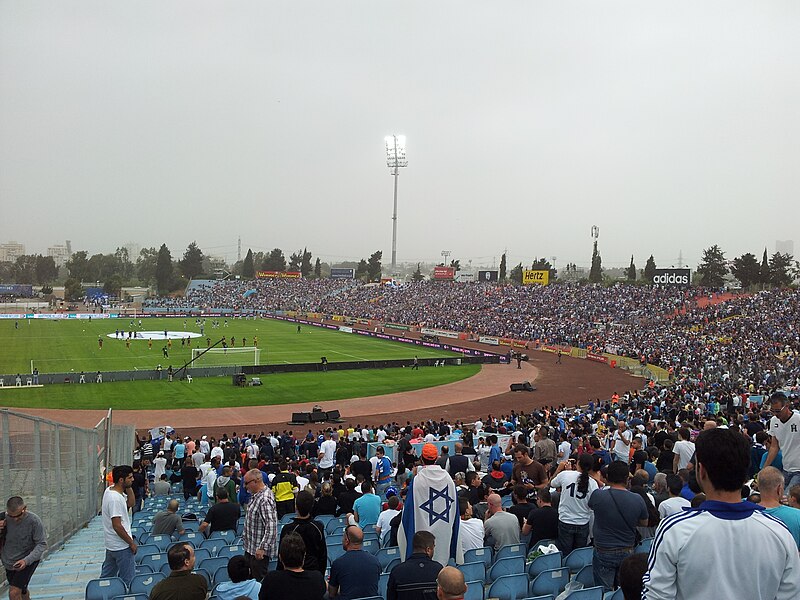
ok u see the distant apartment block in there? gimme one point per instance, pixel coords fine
(60, 253)
(11, 251)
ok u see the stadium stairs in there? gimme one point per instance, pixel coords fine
(63, 575)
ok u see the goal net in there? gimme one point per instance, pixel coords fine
(223, 357)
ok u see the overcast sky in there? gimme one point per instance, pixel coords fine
(669, 125)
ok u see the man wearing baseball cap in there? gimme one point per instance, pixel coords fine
(431, 505)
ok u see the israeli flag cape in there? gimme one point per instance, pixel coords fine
(432, 505)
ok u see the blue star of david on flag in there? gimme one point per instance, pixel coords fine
(429, 506)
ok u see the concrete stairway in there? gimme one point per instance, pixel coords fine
(63, 575)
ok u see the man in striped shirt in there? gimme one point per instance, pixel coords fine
(260, 536)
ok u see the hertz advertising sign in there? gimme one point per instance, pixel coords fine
(535, 277)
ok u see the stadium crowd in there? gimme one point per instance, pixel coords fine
(627, 488)
(664, 491)
(748, 337)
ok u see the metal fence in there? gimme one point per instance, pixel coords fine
(59, 470)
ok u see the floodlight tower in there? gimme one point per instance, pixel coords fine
(395, 160)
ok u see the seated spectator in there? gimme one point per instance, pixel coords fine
(415, 578)
(794, 496)
(181, 584)
(495, 479)
(354, 574)
(292, 581)
(675, 503)
(542, 521)
(450, 584)
(347, 498)
(500, 527)
(521, 508)
(367, 508)
(631, 571)
(161, 487)
(470, 530)
(241, 583)
(168, 521)
(312, 532)
(326, 503)
(383, 526)
(223, 515)
(770, 484)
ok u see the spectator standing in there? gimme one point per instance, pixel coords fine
(260, 536)
(181, 584)
(784, 427)
(292, 581)
(621, 440)
(367, 508)
(617, 514)
(724, 532)
(120, 547)
(354, 574)
(383, 526)
(326, 456)
(675, 503)
(683, 449)
(415, 578)
(23, 542)
(431, 505)
(312, 532)
(383, 473)
(574, 513)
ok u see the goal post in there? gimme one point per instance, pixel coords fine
(217, 357)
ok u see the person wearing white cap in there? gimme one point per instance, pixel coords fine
(205, 447)
(160, 464)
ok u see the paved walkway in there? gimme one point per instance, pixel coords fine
(63, 575)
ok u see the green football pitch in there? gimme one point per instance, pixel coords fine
(71, 345)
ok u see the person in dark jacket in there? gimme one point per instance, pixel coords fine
(415, 579)
(312, 532)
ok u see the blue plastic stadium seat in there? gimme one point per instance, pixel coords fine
(543, 563)
(578, 558)
(387, 555)
(143, 584)
(229, 551)
(552, 581)
(105, 588)
(506, 566)
(474, 590)
(510, 550)
(483, 555)
(509, 587)
(586, 576)
(474, 571)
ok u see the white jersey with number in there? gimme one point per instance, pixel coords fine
(573, 505)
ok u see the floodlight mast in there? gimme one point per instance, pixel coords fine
(395, 160)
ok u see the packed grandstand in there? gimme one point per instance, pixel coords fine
(734, 382)
(696, 333)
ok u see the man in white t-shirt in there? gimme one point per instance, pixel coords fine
(675, 503)
(120, 546)
(564, 449)
(683, 449)
(622, 442)
(470, 530)
(784, 427)
(380, 435)
(383, 527)
(327, 455)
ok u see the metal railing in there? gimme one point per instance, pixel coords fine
(59, 470)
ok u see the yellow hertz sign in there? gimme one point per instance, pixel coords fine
(535, 277)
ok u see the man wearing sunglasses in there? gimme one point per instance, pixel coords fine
(23, 541)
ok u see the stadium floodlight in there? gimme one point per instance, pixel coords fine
(395, 160)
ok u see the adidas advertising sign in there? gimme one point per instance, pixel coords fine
(673, 277)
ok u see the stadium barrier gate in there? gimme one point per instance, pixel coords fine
(59, 470)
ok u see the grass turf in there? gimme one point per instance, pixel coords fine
(66, 345)
(71, 345)
(218, 392)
